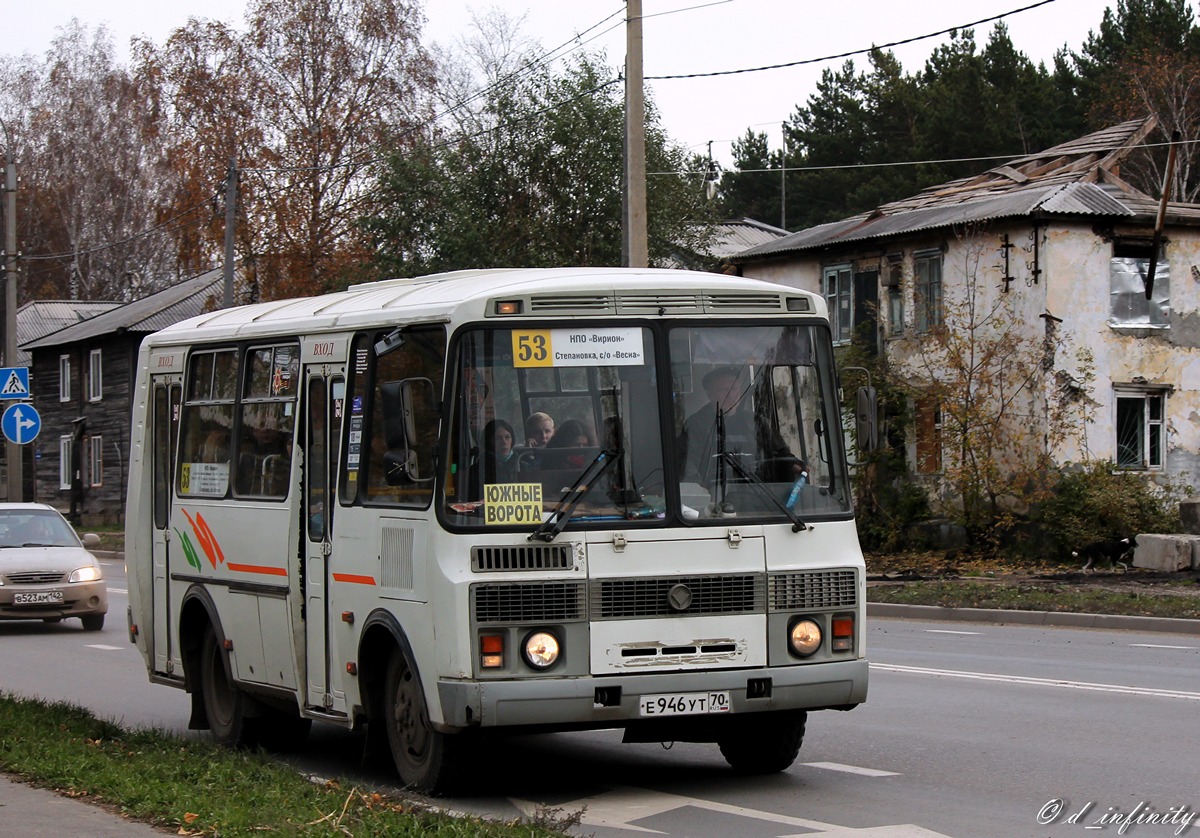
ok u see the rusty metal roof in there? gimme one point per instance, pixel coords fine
(1077, 178)
(149, 314)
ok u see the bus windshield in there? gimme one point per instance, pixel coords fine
(756, 422)
(553, 424)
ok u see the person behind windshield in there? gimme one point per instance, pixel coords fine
(700, 444)
(539, 428)
(497, 462)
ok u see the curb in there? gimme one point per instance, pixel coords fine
(1068, 619)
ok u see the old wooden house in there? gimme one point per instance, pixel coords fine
(81, 378)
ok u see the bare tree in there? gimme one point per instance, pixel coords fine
(307, 101)
(91, 174)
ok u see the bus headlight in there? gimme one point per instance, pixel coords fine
(805, 637)
(541, 650)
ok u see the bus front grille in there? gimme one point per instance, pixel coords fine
(806, 590)
(528, 602)
(677, 596)
(521, 557)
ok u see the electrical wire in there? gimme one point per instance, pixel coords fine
(71, 254)
(851, 53)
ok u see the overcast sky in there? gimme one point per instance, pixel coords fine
(681, 37)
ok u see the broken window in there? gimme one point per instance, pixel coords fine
(1141, 429)
(927, 275)
(928, 416)
(1128, 305)
(838, 285)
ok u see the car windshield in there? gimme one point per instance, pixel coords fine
(757, 423)
(26, 528)
(555, 422)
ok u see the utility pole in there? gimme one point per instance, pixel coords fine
(783, 179)
(230, 219)
(637, 246)
(15, 473)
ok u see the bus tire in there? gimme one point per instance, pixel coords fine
(765, 743)
(426, 760)
(224, 704)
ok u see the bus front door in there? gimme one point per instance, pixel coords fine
(165, 392)
(326, 394)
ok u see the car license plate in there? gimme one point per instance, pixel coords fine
(684, 704)
(38, 598)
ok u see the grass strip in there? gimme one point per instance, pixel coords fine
(967, 594)
(198, 788)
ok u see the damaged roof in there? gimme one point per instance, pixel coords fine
(1076, 178)
(157, 311)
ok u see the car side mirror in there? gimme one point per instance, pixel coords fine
(90, 540)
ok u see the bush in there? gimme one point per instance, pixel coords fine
(1093, 503)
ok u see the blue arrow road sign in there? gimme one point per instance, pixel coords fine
(14, 382)
(21, 423)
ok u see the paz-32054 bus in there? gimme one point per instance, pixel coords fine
(544, 500)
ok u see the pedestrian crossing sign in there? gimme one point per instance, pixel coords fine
(14, 383)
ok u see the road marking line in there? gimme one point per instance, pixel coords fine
(1160, 646)
(851, 769)
(948, 631)
(105, 648)
(1038, 682)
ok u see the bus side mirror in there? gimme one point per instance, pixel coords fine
(866, 422)
(399, 400)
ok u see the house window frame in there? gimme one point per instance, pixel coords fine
(95, 375)
(928, 296)
(929, 440)
(1152, 442)
(64, 378)
(839, 298)
(64, 461)
(1128, 307)
(95, 461)
(894, 283)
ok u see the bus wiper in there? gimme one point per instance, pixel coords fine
(754, 480)
(552, 526)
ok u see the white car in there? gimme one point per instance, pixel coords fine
(46, 572)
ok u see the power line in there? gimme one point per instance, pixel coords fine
(689, 173)
(852, 52)
(70, 254)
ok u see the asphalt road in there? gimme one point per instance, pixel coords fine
(969, 730)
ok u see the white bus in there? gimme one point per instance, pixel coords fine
(335, 513)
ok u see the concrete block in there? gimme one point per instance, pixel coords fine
(1166, 552)
(1189, 515)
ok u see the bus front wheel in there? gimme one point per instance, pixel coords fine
(427, 761)
(764, 743)
(224, 703)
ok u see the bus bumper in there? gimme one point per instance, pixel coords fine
(595, 702)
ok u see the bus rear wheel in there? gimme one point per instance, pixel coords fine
(224, 704)
(764, 743)
(426, 760)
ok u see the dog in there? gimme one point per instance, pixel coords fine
(1111, 551)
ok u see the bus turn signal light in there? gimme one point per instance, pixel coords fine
(491, 651)
(843, 634)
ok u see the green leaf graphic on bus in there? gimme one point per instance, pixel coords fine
(189, 550)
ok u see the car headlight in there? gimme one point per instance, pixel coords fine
(540, 650)
(805, 637)
(85, 574)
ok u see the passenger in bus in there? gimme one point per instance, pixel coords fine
(573, 434)
(497, 461)
(479, 408)
(539, 428)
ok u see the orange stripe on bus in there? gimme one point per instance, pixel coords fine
(257, 568)
(354, 577)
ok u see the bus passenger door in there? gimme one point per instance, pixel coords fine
(326, 394)
(164, 431)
